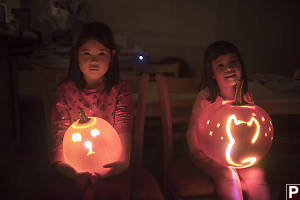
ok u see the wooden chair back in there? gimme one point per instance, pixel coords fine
(296, 75)
(139, 88)
(176, 99)
(144, 185)
(152, 69)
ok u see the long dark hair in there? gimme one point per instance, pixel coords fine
(212, 52)
(102, 33)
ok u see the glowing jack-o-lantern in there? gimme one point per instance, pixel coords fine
(235, 133)
(90, 143)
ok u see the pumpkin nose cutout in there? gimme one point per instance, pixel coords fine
(89, 145)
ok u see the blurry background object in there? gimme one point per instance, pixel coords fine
(22, 17)
(296, 75)
(184, 67)
(64, 16)
(3, 13)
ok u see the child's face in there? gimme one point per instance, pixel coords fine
(226, 70)
(94, 59)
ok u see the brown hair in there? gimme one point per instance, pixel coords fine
(102, 33)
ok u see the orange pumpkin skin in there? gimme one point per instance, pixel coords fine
(88, 146)
(235, 135)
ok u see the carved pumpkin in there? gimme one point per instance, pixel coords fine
(235, 133)
(90, 143)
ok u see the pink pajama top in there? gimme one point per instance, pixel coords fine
(115, 107)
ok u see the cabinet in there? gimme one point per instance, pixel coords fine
(6, 100)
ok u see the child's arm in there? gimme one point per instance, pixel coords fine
(123, 125)
(192, 133)
(60, 121)
(196, 154)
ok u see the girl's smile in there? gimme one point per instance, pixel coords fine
(232, 77)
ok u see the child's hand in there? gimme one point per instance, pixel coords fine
(68, 171)
(82, 180)
(64, 169)
(116, 168)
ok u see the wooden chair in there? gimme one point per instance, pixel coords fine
(144, 184)
(296, 75)
(152, 69)
(182, 180)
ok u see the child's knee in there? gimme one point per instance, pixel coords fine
(226, 175)
(253, 174)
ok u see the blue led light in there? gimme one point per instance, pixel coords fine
(141, 58)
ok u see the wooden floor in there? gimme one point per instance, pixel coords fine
(25, 171)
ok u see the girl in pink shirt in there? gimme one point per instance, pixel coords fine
(93, 85)
(223, 67)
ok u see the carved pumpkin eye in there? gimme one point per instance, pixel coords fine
(76, 137)
(95, 132)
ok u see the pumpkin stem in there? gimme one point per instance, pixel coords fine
(83, 118)
(238, 99)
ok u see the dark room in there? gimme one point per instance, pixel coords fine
(150, 100)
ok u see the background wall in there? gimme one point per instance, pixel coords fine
(266, 32)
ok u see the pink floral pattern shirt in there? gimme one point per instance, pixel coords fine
(115, 107)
